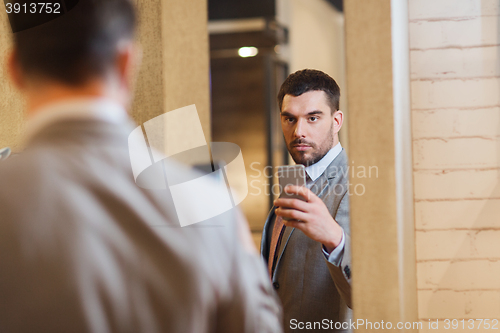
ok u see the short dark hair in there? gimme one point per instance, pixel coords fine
(309, 80)
(78, 46)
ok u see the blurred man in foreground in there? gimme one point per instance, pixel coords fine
(83, 248)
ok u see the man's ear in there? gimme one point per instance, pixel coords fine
(14, 70)
(129, 59)
(338, 120)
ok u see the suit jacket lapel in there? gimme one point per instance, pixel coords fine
(320, 185)
(264, 245)
(327, 179)
(284, 242)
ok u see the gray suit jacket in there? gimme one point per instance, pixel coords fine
(311, 288)
(84, 249)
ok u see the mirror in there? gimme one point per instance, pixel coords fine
(253, 49)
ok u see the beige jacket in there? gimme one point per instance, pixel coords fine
(84, 249)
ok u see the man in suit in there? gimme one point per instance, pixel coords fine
(82, 247)
(308, 255)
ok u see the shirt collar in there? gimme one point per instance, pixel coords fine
(102, 109)
(317, 169)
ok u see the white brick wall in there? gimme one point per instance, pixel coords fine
(457, 214)
(447, 304)
(453, 123)
(456, 185)
(455, 63)
(459, 275)
(458, 245)
(451, 9)
(455, 73)
(456, 93)
(467, 32)
(456, 153)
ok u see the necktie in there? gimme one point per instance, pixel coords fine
(278, 229)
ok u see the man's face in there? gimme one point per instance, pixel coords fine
(308, 126)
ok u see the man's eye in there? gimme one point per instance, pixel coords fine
(313, 118)
(289, 120)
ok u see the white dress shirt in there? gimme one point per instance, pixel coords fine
(314, 172)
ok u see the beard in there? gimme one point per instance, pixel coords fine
(313, 155)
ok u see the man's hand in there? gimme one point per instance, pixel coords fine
(310, 216)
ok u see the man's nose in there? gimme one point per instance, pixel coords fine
(300, 129)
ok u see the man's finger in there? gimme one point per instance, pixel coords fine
(300, 190)
(291, 203)
(291, 214)
(295, 224)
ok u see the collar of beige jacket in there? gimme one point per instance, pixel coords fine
(101, 109)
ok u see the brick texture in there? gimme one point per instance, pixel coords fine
(452, 63)
(456, 123)
(456, 153)
(463, 33)
(459, 275)
(455, 91)
(451, 9)
(457, 214)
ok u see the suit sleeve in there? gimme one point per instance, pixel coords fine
(341, 270)
(254, 306)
